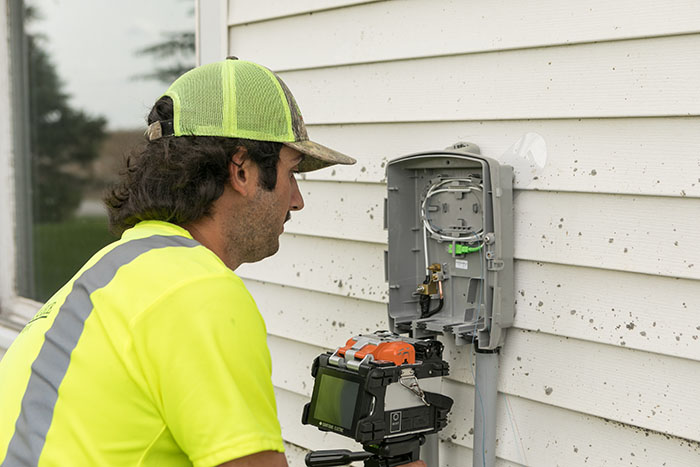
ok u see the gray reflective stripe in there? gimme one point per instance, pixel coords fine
(51, 364)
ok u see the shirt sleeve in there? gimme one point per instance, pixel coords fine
(203, 350)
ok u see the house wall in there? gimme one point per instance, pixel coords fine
(603, 364)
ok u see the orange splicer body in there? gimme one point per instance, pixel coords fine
(397, 352)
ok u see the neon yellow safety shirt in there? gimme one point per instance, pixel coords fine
(153, 354)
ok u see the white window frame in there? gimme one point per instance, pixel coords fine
(15, 310)
(211, 43)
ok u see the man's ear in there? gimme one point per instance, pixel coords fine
(243, 173)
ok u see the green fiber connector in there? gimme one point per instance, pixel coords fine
(464, 249)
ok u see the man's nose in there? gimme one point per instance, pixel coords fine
(297, 201)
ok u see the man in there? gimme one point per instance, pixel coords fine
(155, 353)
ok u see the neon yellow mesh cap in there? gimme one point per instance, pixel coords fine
(239, 99)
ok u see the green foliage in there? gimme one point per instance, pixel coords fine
(63, 140)
(174, 56)
(62, 248)
(174, 44)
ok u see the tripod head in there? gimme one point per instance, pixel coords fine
(388, 453)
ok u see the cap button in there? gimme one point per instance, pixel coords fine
(231, 57)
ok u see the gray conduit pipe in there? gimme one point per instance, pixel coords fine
(429, 451)
(485, 395)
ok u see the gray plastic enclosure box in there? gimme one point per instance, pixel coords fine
(449, 265)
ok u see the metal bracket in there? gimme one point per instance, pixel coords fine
(495, 265)
(409, 381)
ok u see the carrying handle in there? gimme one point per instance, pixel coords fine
(333, 457)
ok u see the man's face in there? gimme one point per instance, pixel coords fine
(269, 210)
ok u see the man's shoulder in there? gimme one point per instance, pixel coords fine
(171, 251)
(187, 286)
(153, 268)
(167, 270)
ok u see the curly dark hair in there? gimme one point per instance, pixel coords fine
(177, 179)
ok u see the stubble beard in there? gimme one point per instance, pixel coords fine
(253, 235)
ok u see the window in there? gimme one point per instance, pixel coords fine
(78, 79)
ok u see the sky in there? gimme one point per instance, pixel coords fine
(93, 45)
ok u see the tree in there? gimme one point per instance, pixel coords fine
(176, 47)
(63, 140)
(173, 55)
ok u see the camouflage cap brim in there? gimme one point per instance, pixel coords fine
(319, 156)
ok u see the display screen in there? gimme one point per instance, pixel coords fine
(335, 401)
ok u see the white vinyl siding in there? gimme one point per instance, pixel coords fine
(603, 365)
(334, 33)
(636, 156)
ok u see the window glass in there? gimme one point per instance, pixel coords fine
(92, 71)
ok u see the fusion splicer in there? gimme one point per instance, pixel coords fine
(376, 390)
